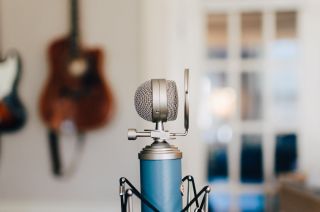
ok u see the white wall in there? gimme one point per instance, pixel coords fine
(170, 40)
(25, 177)
(310, 87)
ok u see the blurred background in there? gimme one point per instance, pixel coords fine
(255, 101)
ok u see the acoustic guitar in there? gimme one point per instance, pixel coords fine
(76, 91)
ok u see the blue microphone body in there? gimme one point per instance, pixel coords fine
(160, 174)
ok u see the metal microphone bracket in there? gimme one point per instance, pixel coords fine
(157, 135)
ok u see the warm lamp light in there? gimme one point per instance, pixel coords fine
(222, 102)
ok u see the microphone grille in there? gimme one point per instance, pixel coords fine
(143, 101)
(144, 104)
(173, 100)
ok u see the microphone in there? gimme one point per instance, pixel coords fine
(157, 101)
(160, 163)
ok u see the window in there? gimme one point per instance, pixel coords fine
(249, 95)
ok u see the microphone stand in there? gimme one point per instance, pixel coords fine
(127, 203)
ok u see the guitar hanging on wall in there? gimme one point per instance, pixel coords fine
(76, 94)
(12, 112)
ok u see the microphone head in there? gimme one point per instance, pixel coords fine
(154, 104)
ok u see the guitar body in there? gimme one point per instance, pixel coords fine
(76, 90)
(12, 112)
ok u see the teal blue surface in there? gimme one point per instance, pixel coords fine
(160, 184)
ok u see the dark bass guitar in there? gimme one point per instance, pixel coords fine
(12, 111)
(76, 93)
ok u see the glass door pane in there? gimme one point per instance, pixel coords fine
(251, 35)
(217, 37)
(251, 162)
(251, 98)
(286, 25)
(286, 153)
(218, 163)
(216, 107)
(285, 44)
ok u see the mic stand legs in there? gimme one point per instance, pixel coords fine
(130, 203)
(126, 196)
(196, 196)
(127, 202)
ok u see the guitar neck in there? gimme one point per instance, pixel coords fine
(74, 27)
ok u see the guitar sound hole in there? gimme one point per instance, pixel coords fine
(78, 67)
